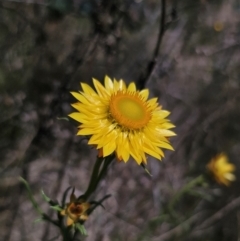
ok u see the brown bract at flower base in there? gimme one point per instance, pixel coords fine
(75, 210)
(221, 169)
(121, 119)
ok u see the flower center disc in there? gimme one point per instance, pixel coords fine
(129, 110)
(75, 209)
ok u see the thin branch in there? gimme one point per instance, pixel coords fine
(27, 2)
(151, 65)
(76, 62)
(181, 228)
(220, 214)
(208, 225)
(205, 225)
(34, 26)
(161, 30)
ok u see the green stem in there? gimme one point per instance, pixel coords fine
(66, 234)
(91, 185)
(188, 187)
(108, 160)
(98, 174)
(99, 170)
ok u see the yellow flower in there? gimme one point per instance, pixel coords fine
(75, 210)
(121, 119)
(222, 169)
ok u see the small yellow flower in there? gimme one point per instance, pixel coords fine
(75, 210)
(218, 26)
(121, 119)
(222, 169)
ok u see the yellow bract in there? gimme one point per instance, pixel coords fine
(222, 169)
(121, 119)
(75, 211)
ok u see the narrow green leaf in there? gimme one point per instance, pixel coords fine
(45, 197)
(146, 170)
(30, 195)
(57, 208)
(63, 118)
(65, 196)
(38, 220)
(81, 229)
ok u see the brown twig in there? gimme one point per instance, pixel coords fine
(76, 62)
(220, 214)
(204, 226)
(180, 229)
(34, 26)
(208, 225)
(151, 65)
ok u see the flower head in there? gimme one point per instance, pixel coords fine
(222, 169)
(121, 119)
(75, 210)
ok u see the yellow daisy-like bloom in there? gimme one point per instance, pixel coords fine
(121, 119)
(222, 169)
(75, 211)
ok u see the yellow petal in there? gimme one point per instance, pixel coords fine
(79, 97)
(76, 116)
(167, 125)
(122, 146)
(109, 148)
(63, 212)
(151, 152)
(136, 156)
(166, 145)
(109, 137)
(229, 167)
(100, 88)
(88, 89)
(85, 206)
(115, 85)
(69, 221)
(85, 132)
(165, 132)
(93, 99)
(144, 93)
(122, 85)
(153, 102)
(161, 114)
(135, 148)
(132, 87)
(108, 83)
(229, 176)
(105, 135)
(153, 148)
(84, 217)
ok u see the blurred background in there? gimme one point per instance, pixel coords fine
(186, 52)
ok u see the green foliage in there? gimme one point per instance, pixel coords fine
(81, 229)
(63, 6)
